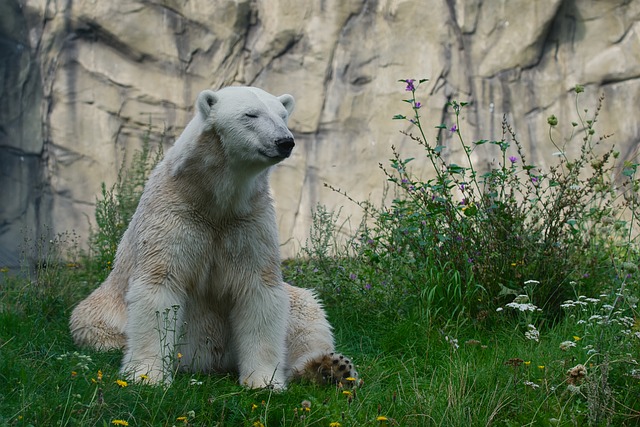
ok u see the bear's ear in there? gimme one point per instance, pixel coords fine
(206, 100)
(288, 102)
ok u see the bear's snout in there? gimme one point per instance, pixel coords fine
(285, 146)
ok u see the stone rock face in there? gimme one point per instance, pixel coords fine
(24, 199)
(85, 79)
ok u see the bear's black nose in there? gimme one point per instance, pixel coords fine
(285, 145)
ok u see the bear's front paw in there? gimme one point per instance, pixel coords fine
(146, 374)
(263, 381)
(331, 368)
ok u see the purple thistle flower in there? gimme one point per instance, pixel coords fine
(410, 87)
(454, 129)
(417, 105)
(513, 159)
(367, 286)
(534, 179)
(353, 276)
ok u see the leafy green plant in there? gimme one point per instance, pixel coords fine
(465, 239)
(117, 204)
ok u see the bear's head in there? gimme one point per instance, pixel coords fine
(251, 124)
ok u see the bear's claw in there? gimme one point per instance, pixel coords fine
(331, 368)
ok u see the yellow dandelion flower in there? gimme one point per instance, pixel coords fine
(576, 338)
(527, 363)
(335, 424)
(254, 406)
(382, 418)
(122, 383)
(119, 423)
(347, 393)
(99, 375)
(540, 366)
(74, 373)
(179, 355)
(183, 419)
(93, 381)
(350, 379)
(257, 424)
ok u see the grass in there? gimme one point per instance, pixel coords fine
(450, 323)
(412, 375)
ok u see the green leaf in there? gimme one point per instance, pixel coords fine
(471, 210)
(482, 141)
(504, 291)
(399, 117)
(628, 172)
(453, 168)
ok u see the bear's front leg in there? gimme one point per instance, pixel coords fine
(155, 315)
(259, 323)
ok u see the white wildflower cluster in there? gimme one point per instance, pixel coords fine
(522, 303)
(82, 361)
(603, 313)
(609, 311)
(531, 384)
(582, 302)
(194, 381)
(599, 319)
(453, 342)
(532, 333)
(590, 350)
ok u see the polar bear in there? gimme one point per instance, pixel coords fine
(196, 283)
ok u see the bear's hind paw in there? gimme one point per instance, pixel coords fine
(331, 368)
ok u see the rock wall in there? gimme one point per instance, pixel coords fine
(107, 72)
(24, 196)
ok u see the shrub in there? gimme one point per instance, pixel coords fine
(116, 206)
(467, 239)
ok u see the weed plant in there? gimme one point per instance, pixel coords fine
(477, 297)
(467, 239)
(117, 204)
